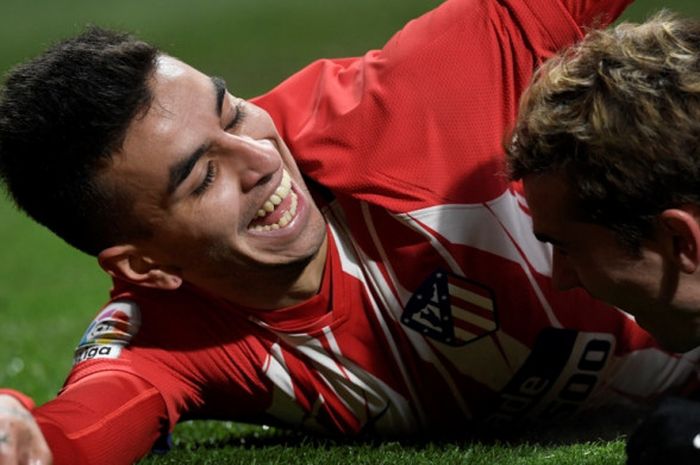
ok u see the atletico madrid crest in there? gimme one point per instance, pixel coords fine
(451, 309)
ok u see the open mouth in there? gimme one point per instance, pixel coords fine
(279, 209)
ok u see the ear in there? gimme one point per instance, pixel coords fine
(681, 224)
(128, 263)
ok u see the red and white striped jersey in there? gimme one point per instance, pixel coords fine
(436, 307)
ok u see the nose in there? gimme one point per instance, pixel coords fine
(253, 160)
(564, 275)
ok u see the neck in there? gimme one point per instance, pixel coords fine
(675, 321)
(274, 288)
(678, 332)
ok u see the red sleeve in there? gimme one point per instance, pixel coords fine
(26, 402)
(380, 128)
(110, 418)
(546, 26)
(550, 25)
(595, 13)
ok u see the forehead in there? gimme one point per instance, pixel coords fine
(182, 96)
(168, 67)
(179, 91)
(182, 111)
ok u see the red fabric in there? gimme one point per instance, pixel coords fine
(475, 56)
(108, 418)
(27, 402)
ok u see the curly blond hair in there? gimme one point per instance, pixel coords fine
(619, 115)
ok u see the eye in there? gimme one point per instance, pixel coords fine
(559, 250)
(238, 117)
(208, 179)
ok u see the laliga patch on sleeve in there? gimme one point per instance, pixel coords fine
(109, 332)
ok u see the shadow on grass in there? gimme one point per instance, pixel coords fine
(607, 425)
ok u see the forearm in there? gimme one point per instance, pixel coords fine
(108, 418)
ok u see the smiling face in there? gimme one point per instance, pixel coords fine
(218, 189)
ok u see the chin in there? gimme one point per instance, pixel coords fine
(676, 343)
(293, 264)
(681, 347)
(672, 338)
(300, 260)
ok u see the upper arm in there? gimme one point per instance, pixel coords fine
(595, 13)
(446, 86)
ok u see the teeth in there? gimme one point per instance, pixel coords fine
(286, 218)
(293, 206)
(285, 186)
(281, 192)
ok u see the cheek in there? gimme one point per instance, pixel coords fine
(601, 273)
(193, 229)
(215, 213)
(621, 286)
(225, 201)
(593, 274)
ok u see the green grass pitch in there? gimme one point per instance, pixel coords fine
(48, 292)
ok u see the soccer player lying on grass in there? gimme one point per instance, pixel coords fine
(394, 288)
(607, 146)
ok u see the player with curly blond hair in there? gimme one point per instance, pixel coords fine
(607, 144)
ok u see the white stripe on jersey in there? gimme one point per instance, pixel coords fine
(645, 373)
(396, 413)
(501, 224)
(418, 341)
(518, 225)
(283, 404)
(470, 317)
(340, 230)
(366, 396)
(471, 297)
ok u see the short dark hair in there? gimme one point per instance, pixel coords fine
(619, 116)
(63, 115)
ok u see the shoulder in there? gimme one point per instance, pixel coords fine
(112, 329)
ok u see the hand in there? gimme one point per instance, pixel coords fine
(21, 441)
(670, 434)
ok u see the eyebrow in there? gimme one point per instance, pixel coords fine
(181, 170)
(220, 88)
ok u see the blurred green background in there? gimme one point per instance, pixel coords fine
(48, 292)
